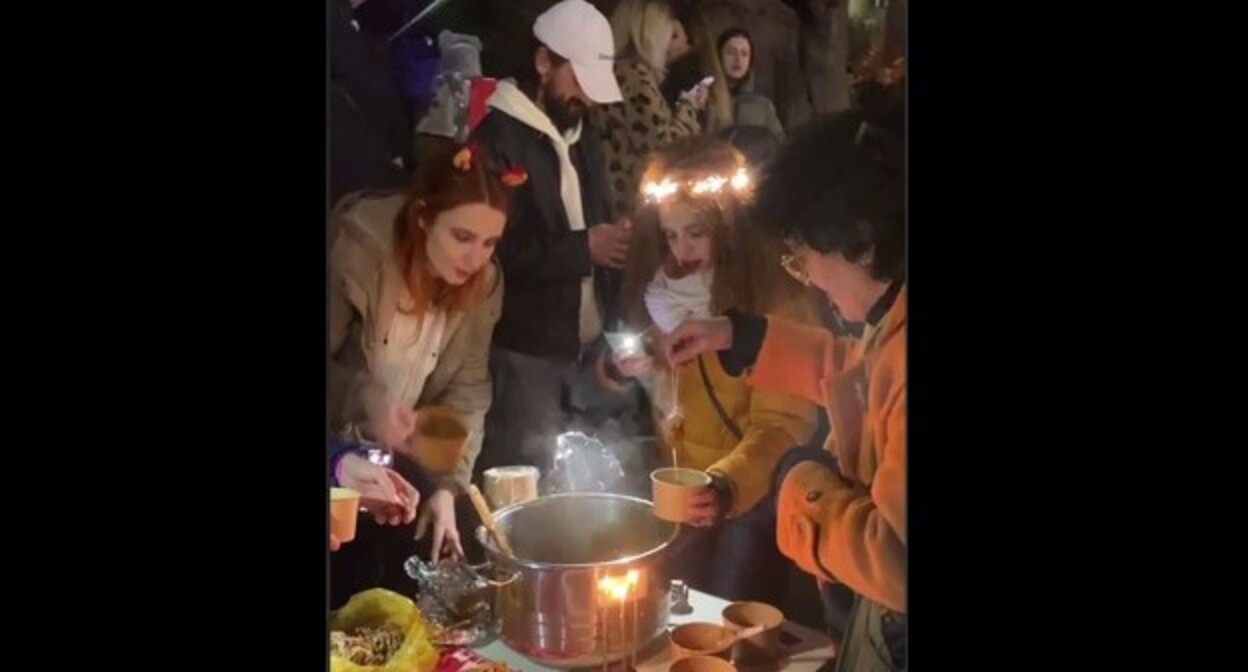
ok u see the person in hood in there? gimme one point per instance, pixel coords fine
(736, 54)
(558, 255)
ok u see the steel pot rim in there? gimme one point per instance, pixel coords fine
(495, 554)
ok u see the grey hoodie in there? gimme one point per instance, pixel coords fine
(752, 109)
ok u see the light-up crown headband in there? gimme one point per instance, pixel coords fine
(658, 191)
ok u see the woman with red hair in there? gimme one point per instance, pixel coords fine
(414, 296)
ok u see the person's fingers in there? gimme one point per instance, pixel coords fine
(457, 551)
(408, 495)
(383, 487)
(684, 348)
(422, 525)
(435, 552)
(703, 508)
(702, 521)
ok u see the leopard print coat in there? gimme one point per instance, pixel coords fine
(642, 123)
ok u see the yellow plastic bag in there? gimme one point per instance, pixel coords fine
(376, 607)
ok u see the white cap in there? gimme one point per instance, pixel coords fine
(577, 31)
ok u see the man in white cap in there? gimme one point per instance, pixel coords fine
(560, 260)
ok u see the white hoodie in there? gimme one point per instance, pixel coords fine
(511, 101)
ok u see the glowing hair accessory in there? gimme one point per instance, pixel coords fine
(711, 185)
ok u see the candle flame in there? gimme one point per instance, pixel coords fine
(617, 588)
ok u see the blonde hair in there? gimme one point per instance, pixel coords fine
(643, 29)
(719, 107)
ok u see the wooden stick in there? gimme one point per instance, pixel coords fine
(487, 518)
(675, 419)
(732, 638)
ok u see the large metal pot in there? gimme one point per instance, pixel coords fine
(558, 608)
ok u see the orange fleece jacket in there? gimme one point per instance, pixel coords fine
(848, 526)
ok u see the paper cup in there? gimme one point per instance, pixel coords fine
(439, 440)
(673, 490)
(504, 486)
(344, 508)
(763, 647)
(701, 639)
(702, 664)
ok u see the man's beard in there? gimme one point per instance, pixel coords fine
(564, 114)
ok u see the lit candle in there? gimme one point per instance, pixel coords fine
(604, 586)
(633, 578)
(620, 591)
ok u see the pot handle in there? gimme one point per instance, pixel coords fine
(480, 573)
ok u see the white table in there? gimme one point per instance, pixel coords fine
(808, 654)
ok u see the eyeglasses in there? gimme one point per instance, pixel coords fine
(796, 268)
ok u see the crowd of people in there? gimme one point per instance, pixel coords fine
(626, 177)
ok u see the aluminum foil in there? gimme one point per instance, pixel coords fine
(455, 600)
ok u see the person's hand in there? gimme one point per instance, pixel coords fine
(334, 544)
(694, 337)
(390, 498)
(440, 513)
(633, 366)
(704, 508)
(673, 428)
(392, 424)
(698, 95)
(608, 244)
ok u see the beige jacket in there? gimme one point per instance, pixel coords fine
(361, 273)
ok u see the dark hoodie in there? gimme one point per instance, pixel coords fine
(749, 109)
